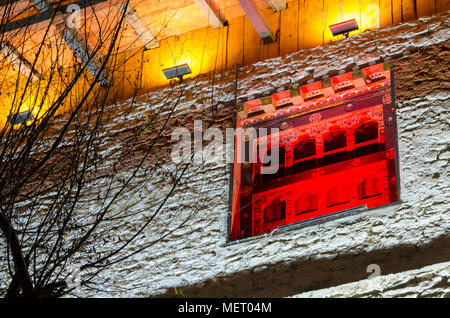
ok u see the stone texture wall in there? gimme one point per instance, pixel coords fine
(410, 235)
(196, 259)
(406, 236)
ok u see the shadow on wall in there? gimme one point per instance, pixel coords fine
(288, 279)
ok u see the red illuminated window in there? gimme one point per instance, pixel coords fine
(336, 153)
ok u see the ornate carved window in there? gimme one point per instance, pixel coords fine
(336, 152)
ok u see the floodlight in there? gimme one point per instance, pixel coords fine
(344, 27)
(177, 71)
(20, 118)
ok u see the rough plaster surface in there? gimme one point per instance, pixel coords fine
(195, 258)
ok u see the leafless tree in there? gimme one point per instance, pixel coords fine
(66, 172)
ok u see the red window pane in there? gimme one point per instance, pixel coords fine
(336, 154)
(275, 211)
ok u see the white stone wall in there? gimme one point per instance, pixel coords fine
(197, 253)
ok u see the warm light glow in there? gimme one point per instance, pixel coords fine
(33, 100)
(183, 58)
(367, 18)
(185, 39)
(344, 27)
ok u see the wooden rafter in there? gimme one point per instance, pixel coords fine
(19, 61)
(277, 5)
(147, 38)
(74, 40)
(258, 20)
(212, 12)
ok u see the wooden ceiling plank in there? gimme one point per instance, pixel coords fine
(17, 10)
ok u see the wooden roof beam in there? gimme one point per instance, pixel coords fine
(258, 20)
(277, 5)
(74, 40)
(19, 61)
(212, 12)
(147, 38)
(42, 19)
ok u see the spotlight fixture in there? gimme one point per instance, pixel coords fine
(20, 118)
(344, 27)
(177, 71)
